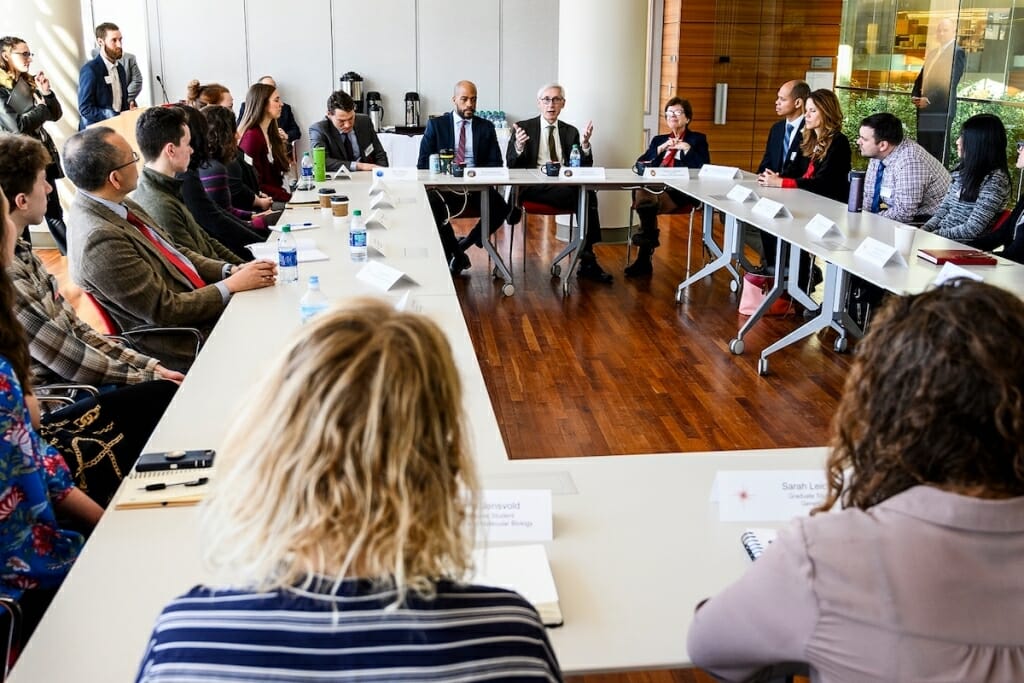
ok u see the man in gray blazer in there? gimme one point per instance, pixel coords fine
(348, 137)
(119, 255)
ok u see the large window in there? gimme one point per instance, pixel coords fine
(886, 44)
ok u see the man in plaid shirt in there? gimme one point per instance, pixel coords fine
(903, 181)
(62, 346)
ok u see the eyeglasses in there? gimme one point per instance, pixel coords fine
(25, 55)
(1020, 146)
(552, 100)
(135, 160)
(673, 113)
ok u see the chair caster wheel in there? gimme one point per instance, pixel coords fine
(736, 346)
(734, 286)
(762, 367)
(508, 289)
(556, 270)
(842, 345)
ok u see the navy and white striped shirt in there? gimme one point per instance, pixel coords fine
(466, 633)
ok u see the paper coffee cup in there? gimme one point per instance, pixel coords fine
(339, 206)
(325, 195)
(905, 239)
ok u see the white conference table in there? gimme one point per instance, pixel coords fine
(637, 541)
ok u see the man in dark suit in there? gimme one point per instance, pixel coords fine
(934, 92)
(537, 142)
(348, 138)
(475, 144)
(782, 153)
(124, 259)
(102, 82)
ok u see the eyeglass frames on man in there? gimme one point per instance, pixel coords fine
(135, 160)
(552, 100)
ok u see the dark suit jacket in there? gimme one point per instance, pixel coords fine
(796, 164)
(324, 134)
(938, 83)
(536, 129)
(698, 155)
(109, 258)
(831, 176)
(96, 96)
(440, 134)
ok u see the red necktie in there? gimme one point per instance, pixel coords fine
(460, 151)
(184, 268)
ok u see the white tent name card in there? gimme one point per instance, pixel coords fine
(741, 194)
(582, 173)
(382, 200)
(515, 515)
(769, 208)
(485, 174)
(669, 172)
(821, 228)
(382, 276)
(378, 244)
(376, 221)
(879, 254)
(951, 271)
(398, 175)
(720, 172)
(767, 495)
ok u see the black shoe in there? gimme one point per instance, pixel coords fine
(590, 269)
(647, 239)
(515, 214)
(459, 263)
(642, 266)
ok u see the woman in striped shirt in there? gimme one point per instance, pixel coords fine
(339, 525)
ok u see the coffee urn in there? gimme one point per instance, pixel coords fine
(375, 109)
(352, 83)
(412, 109)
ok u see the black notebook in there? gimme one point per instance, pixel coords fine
(21, 99)
(755, 541)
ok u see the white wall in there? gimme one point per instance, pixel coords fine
(509, 47)
(131, 18)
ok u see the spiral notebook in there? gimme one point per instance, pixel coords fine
(133, 494)
(755, 541)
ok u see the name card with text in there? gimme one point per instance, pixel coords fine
(376, 221)
(741, 194)
(719, 172)
(671, 172)
(879, 254)
(382, 276)
(822, 228)
(767, 495)
(510, 515)
(582, 173)
(485, 174)
(398, 175)
(769, 208)
(378, 244)
(409, 303)
(382, 200)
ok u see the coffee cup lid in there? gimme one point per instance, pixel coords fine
(327, 190)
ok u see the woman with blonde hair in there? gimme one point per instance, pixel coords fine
(340, 523)
(262, 140)
(910, 569)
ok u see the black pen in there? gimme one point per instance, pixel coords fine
(161, 486)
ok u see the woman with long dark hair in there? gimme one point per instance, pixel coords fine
(262, 141)
(26, 103)
(222, 149)
(981, 183)
(910, 568)
(35, 484)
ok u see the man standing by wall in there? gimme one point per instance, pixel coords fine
(934, 92)
(102, 82)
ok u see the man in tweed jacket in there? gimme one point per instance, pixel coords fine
(120, 256)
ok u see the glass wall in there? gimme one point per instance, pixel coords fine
(886, 46)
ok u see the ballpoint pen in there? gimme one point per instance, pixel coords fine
(161, 486)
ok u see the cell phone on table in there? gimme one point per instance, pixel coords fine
(174, 460)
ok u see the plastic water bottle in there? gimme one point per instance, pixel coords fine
(287, 257)
(306, 179)
(575, 159)
(313, 301)
(357, 236)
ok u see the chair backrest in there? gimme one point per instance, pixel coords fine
(10, 632)
(111, 326)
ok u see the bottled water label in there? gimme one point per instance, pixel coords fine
(288, 258)
(357, 239)
(309, 310)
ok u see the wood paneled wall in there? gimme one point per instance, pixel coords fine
(754, 47)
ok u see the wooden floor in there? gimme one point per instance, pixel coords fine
(623, 369)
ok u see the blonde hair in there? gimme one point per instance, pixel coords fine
(348, 462)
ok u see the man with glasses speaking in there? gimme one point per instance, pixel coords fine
(544, 139)
(119, 255)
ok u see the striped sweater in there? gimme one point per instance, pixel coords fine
(961, 220)
(465, 633)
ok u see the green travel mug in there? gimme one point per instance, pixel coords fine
(319, 164)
